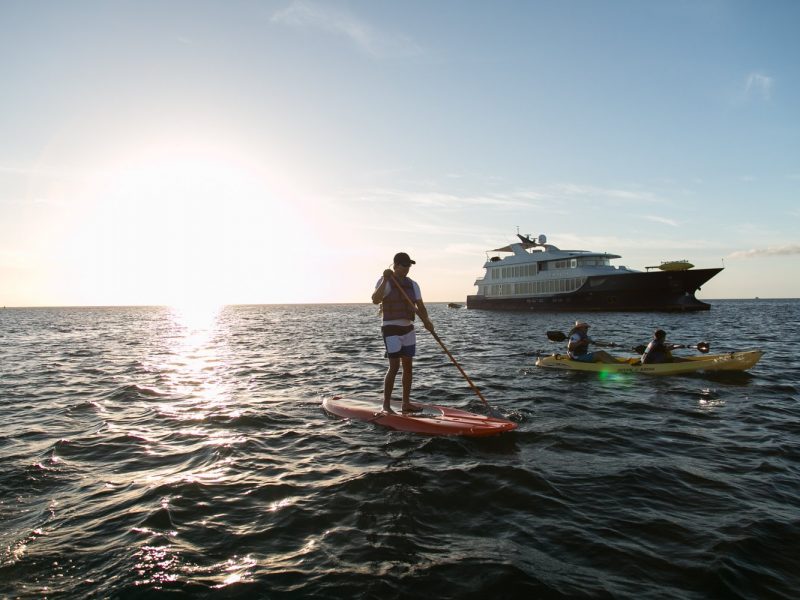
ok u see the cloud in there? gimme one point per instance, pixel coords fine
(442, 200)
(305, 14)
(760, 85)
(571, 190)
(662, 220)
(787, 250)
(553, 199)
(48, 172)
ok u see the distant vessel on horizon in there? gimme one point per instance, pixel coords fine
(541, 277)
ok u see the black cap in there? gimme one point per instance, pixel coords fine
(403, 259)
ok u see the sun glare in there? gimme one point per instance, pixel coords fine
(196, 316)
(188, 227)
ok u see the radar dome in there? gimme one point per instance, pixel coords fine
(542, 239)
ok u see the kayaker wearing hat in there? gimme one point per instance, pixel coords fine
(397, 329)
(578, 345)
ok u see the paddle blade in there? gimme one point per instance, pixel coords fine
(703, 347)
(556, 336)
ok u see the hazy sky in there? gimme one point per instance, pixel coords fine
(283, 151)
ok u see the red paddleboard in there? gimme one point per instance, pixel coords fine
(431, 420)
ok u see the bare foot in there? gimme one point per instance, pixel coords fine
(411, 408)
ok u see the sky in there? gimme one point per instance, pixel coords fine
(237, 152)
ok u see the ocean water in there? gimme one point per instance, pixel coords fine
(151, 452)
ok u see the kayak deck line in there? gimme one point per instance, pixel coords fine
(731, 361)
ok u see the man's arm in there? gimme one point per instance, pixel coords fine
(423, 314)
(380, 291)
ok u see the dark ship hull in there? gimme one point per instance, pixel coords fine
(670, 291)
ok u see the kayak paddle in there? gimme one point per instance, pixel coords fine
(703, 347)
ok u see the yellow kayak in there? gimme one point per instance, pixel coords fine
(732, 361)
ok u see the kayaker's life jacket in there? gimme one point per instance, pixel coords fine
(584, 349)
(656, 352)
(394, 305)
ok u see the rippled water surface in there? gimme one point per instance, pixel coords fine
(148, 452)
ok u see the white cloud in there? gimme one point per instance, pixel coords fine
(662, 220)
(571, 190)
(759, 85)
(377, 43)
(511, 200)
(49, 172)
(787, 250)
(552, 199)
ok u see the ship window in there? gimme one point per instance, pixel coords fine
(573, 263)
(594, 262)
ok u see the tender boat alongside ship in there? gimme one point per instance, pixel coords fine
(541, 277)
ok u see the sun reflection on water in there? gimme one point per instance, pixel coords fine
(195, 366)
(157, 565)
(194, 325)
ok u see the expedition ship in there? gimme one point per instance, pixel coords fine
(539, 276)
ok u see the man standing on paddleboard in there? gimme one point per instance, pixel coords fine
(400, 300)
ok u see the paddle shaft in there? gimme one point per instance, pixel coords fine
(441, 343)
(702, 347)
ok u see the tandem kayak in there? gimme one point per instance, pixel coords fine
(732, 361)
(431, 419)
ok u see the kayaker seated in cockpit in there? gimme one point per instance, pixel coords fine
(578, 346)
(658, 351)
